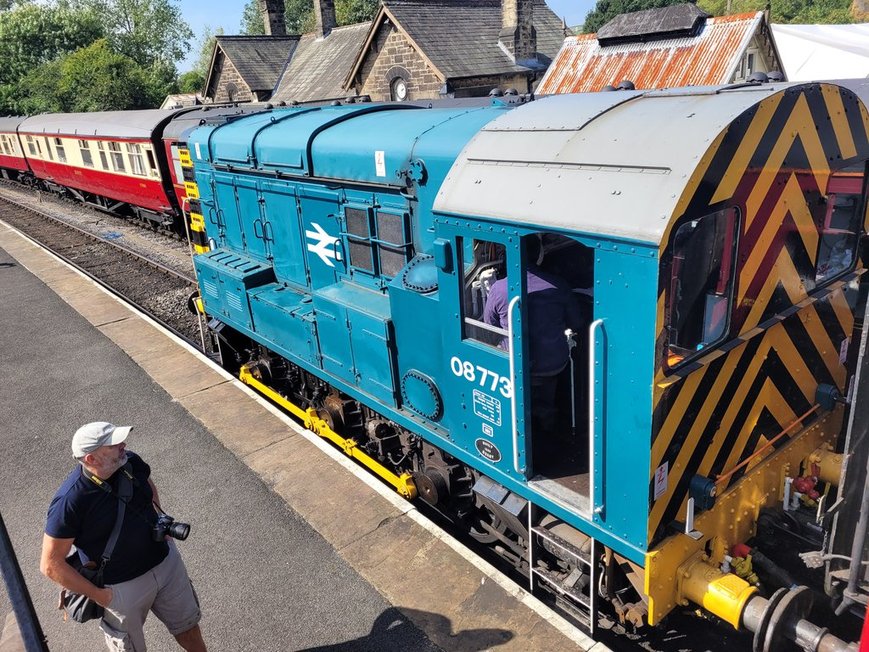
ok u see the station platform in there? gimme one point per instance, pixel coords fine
(293, 547)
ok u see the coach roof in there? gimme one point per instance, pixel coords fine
(107, 124)
(10, 124)
(612, 163)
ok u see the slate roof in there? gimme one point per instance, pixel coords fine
(258, 59)
(585, 65)
(318, 66)
(675, 20)
(461, 37)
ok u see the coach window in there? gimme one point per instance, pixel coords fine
(152, 164)
(6, 146)
(701, 284)
(136, 163)
(61, 152)
(86, 156)
(484, 262)
(48, 150)
(841, 220)
(31, 146)
(117, 157)
(104, 163)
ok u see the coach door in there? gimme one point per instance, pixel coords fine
(484, 379)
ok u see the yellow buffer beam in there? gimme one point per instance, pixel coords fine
(403, 483)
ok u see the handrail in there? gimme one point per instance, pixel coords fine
(511, 305)
(592, 359)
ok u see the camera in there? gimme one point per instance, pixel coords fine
(167, 525)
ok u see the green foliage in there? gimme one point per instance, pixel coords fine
(32, 34)
(206, 50)
(828, 12)
(147, 31)
(781, 11)
(94, 78)
(191, 82)
(300, 16)
(349, 12)
(252, 22)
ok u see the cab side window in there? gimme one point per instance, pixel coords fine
(840, 226)
(484, 263)
(701, 284)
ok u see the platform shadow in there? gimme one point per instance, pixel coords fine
(413, 629)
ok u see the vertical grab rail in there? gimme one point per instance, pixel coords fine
(592, 359)
(513, 302)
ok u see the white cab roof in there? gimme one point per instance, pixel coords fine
(612, 163)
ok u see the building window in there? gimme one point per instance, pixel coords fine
(85, 150)
(117, 157)
(136, 163)
(701, 284)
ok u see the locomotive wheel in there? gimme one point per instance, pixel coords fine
(431, 486)
(332, 412)
(482, 533)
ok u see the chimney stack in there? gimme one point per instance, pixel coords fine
(326, 20)
(517, 29)
(273, 17)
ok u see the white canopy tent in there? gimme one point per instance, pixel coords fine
(813, 52)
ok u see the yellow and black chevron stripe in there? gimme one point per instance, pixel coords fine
(194, 218)
(774, 164)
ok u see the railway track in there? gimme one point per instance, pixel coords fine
(156, 288)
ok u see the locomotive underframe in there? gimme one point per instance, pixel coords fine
(471, 501)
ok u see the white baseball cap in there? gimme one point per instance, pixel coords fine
(92, 436)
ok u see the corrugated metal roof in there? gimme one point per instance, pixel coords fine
(583, 65)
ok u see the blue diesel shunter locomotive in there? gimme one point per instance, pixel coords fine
(710, 239)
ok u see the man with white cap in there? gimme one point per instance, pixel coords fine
(142, 574)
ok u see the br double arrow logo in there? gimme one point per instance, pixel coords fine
(323, 245)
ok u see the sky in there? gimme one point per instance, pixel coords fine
(227, 14)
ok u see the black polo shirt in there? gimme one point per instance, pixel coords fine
(82, 511)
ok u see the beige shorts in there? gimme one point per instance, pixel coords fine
(165, 589)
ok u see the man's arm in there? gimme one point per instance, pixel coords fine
(53, 565)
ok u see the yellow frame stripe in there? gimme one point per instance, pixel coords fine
(403, 483)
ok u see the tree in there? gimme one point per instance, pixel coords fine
(94, 78)
(252, 19)
(147, 31)
(349, 12)
(786, 11)
(206, 50)
(191, 82)
(32, 34)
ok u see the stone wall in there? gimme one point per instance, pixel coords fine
(225, 75)
(391, 56)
